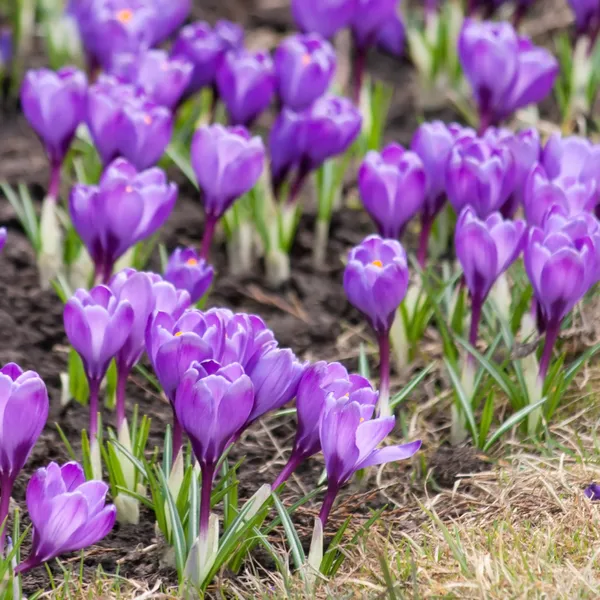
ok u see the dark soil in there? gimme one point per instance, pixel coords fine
(310, 315)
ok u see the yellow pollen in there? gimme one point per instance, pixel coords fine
(306, 60)
(148, 119)
(346, 395)
(179, 333)
(191, 262)
(377, 263)
(362, 419)
(129, 189)
(124, 15)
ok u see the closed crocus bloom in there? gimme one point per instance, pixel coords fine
(332, 125)
(246, 84)
(167, 298)
(171, 16)
(392, 187)
(587, 16)
(506, 71)
(480, 175)
(104, 119)
(391, 35)
(125, 208)
(67, 513)
(325, 17)
(592, 492)
(285, 145)
(54, 103)
(485, 249)
(304, 65)
(564, 157)
(187, 270)
(541, 194)
(317, 383)
(162, 79)
(349, 438)
(97, 325)
(145, 133)
(369, 18)
(376, 280)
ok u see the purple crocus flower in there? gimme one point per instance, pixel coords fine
(171, 16)
(542, 194)
(369, 18)
(317, 383)
(375, 281)
(246, 85)
(392, 187)
(161, 78)
(205, 47)
(145, 131)
(506, 71)
(97, 325)
(227, 163)
(6, 49)
(304, 66)
(54, 103)
(592, 491)
(485, 249)
(567, 157)
(587, 17)
(391, 36)
(225, 399)
(561, 271)
(67, 512)
(188, 271)
(24, 410)
(432, 143)
(125, 208)
(349, 438)
(325, 17)
(3, 235)
(480, 175)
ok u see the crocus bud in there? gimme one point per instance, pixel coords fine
(432, 143)
(145, 132)
(227, 163)
(587, 16)
(325, 17)
(97, 325)
(246, 84)
(392, 187)
(332, 124)
(391, 35)
(285, 146)
(67, 513)
(560, 271)
(506, 71)
(23, 412)
(205, 47)
(304, 65)
(349, 438)
(369, 18)
(54, 103)
(105, 115)
(485, 249)
(171, 16)
(187, 271)
(275, 376)
(376, 280)
(161, 78)
(125, 208)
(479, 175)
(225, 398)
(592, 492)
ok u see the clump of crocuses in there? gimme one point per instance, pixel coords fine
(375, 281)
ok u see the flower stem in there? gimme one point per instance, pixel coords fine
(177, 434)
(426, 225)
(359, 70)
(122, 375)
(54, 181)
(552, 330)
(384, 375)
(94, 385)
(209, 232)
(476, 306)
(6, 486)
(292, 464)
(328, 501)
(208, 472)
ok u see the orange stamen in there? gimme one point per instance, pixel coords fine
(191, 262)
(124, 15)
(377, 263)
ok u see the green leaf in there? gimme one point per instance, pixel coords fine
(78, 383)
(511, 422)
(168, 452)
(230, 506)
(86, 455)
(363, 362)
(180, 157)
(486, 418)
(464, 402)
(334, 548)
(292, 535)
(111, 385)
(194, 511)
(66, 442)
(410, 387)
